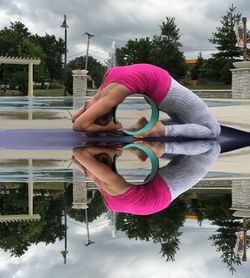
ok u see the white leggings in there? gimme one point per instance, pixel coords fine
(190, 116)
(192, 161)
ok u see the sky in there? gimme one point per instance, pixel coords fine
(120, 257)
(119, 21)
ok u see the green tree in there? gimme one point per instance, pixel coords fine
(216, 208)
(17, 237)
(53, 50)
(165, 52)
(17, 41)
(12, 38)
(218, 67)
(96, 70)
(225, 38)
(162, 227)
(196, 69)
(134, 52)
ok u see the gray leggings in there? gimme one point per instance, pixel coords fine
(190, 115)
(190, 164)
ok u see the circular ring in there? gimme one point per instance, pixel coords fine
(153, 119)
(153, 159)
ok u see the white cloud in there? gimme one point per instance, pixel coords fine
(110, 20)
(120, 257)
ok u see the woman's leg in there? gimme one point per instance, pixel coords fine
(184, 171)
(194, 118)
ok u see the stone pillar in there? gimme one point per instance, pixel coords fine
(241, 80)
(79, 87)
(80, 198)
(30, 80)
(241, 198)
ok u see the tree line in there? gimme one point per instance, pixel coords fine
(163, 50)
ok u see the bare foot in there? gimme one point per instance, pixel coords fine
(158, 130)
(158, 148)
(141, 123)
(140, 154)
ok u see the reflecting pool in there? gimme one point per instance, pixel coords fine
(59, 214)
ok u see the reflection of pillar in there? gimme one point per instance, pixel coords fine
(30, 186)
(79, 87)
(80, 198)
(241, 198)
(241, 205)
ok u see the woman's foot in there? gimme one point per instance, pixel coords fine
(140, 154)
(158, 148)
(140, 124)
(158, 130)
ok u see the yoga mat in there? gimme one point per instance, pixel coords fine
(66, 139)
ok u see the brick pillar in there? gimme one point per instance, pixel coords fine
(79, 87)
(80, 198)
(241, 198)
(241, 80)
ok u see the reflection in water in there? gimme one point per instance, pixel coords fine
(191, 160)
(189, 164)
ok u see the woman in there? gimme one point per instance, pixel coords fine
(190, 115)
(190, 163)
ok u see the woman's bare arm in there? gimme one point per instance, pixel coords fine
(112, 95)
(112, 183)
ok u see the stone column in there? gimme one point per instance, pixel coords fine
(79, 87)
(30, 80)
(241, 80)
(80, 198)
(241, 198)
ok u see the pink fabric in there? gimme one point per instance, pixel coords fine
(141, 199)
(140, 78)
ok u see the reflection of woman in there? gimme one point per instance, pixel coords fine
(183, 172)
(191, 115)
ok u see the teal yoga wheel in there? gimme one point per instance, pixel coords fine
(153, 159)
(153, 118)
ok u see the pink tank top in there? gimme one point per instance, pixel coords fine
(140, 78)
(141, 199)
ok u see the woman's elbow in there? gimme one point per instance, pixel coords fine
(78, 126)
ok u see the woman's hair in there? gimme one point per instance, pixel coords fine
(104, 120)
(104, 158)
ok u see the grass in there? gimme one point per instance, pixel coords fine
(60, 92)
(37, 93)
(210, 87)
(49, 93)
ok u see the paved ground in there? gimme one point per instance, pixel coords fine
(235, 116)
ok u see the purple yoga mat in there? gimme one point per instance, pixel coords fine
(67, 139)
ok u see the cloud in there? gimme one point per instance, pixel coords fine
(119, 257)
(112, 20)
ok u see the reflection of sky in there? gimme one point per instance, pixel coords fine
(120, 257)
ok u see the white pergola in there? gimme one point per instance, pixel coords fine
(23, 61)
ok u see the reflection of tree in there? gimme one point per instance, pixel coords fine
(160, 228)
(224, 241)
(217, 209)
(16, 237)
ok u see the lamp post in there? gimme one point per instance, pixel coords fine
(244, 20)
(87, 53)
(65, 26)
